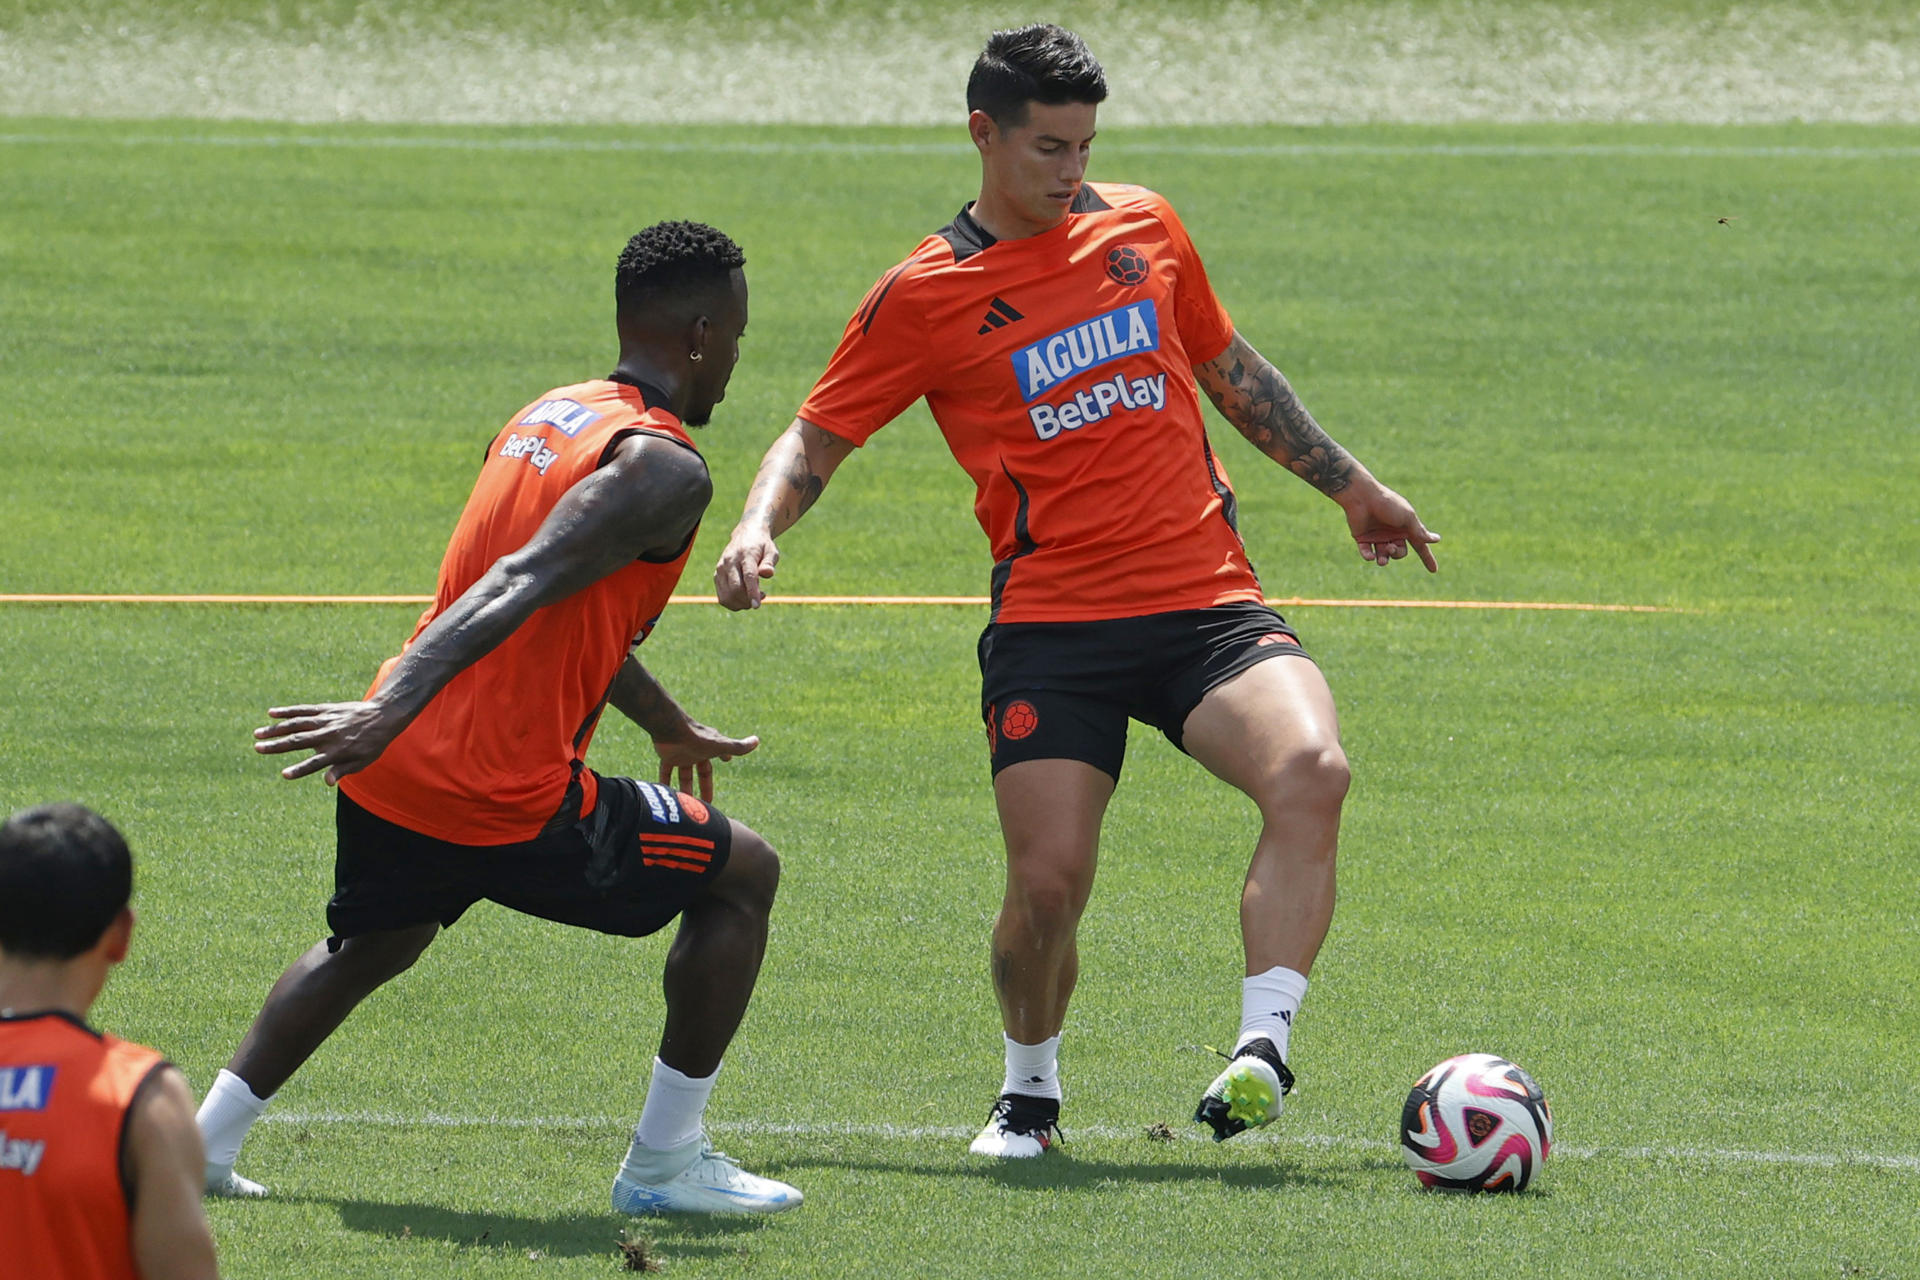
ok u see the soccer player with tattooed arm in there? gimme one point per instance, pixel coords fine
(462, 774)
(1061, 332)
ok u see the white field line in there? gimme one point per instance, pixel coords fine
(951, 1133)
(851, 147)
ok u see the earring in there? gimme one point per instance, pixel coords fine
(693, 355)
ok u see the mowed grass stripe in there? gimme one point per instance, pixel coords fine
(1902, 1163)
(849, 147)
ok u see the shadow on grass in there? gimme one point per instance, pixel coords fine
(1062, 1170)
(578, 1235)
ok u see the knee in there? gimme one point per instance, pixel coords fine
(752, 876)
(1048, 895)
(1313, 776)
(374, 958)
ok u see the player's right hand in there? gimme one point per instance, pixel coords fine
(345, 737)
(749, 558)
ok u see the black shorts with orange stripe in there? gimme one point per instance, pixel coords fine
(1066, 690)
(628, 868)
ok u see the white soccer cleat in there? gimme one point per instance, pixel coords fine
(1018, 1127)
(696, 1179)
(228, 1185)
(1252, 1091)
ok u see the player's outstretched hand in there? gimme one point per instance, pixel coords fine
(749, 558)
(1384, 526)
(345, 737)
(692, 756)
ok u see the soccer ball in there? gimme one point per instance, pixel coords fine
(1476, 1123)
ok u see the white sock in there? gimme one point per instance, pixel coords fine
(225, 1116)
(675, 1103)
(1033, 1069)
(1268, 1004)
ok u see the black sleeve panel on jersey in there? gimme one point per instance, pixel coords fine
(871, 307)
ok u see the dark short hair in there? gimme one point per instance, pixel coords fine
(1040, 63)
(65, 873)
(670, 261)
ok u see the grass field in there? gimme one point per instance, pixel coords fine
(1663, 860)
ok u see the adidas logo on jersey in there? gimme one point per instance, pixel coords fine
(999, 316)
(1088, 345)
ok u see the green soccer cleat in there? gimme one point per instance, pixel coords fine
(1249, 1093)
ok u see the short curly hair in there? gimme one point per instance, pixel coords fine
(671, 260)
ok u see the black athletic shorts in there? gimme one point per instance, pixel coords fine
(627, 868)
(1065, 690)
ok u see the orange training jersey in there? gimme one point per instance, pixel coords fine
(496, 755)
(1060, 370)
(65, 1091)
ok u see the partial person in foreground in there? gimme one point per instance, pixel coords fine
(462, 775)
(100, 1163)
(1061, 331)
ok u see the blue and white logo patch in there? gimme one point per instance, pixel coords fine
(1087, 345)
(661, 801)
(25, 1088)
(569, 417)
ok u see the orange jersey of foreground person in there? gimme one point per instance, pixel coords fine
(480, 768)
(1060, 370)
(99, 1159)
(65, 1094)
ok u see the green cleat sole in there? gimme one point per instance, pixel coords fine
(1248, 1098)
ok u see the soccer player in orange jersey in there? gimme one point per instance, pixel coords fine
(99, 1161)
(462, 773)
(1061, 332)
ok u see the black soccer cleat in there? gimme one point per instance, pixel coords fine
(1019, 1127)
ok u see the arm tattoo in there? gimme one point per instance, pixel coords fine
(803, 485)
(644, 700)
(1262, 405)
(782, 497)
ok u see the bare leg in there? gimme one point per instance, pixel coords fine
(1271, 731)
(716, 956)
(1050, 812)
(709, 978)
(314, 996)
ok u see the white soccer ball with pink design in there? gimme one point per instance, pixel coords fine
(1476, 1123)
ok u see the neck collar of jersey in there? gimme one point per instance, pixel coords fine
(30, 1015)
(650, 395)
(968, 237)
